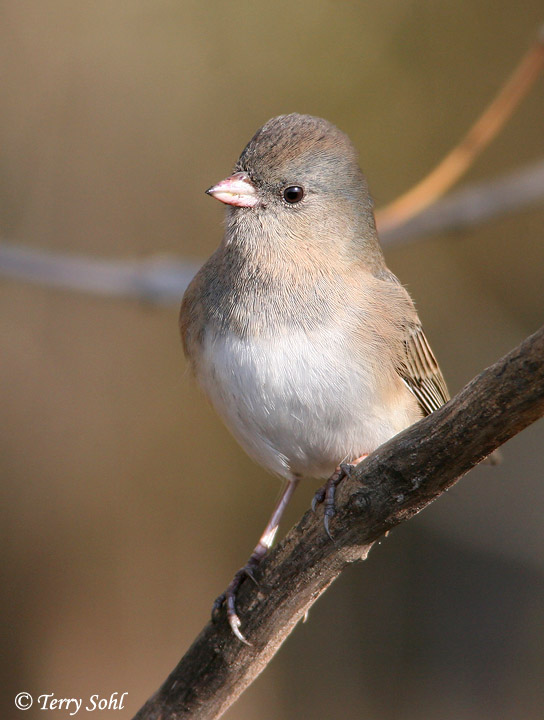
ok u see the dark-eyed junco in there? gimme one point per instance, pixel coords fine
(306, 344)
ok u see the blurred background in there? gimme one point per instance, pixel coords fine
(126, 506)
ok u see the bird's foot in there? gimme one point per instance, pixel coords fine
(327, 493)
(228, 598)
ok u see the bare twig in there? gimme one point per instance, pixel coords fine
(392, 485)
(163, 279)
(472, 205)
(158, 279)
(458, 160)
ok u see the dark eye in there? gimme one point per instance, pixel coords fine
(293, 194)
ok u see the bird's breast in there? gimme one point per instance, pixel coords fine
(300, 400)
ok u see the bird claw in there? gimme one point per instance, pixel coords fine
(327, 493)
(326, 520)
(248, 571)
(228, 598)
(347, 469)
(217, 605)
(318, 498)
(235, 622)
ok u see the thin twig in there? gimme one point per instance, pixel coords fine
(163, 279)
(450, 169)
(472, 205)
(157, 279)
(393, 484)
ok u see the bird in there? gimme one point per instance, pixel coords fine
(307, 345)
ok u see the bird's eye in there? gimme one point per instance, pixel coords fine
(293, 194)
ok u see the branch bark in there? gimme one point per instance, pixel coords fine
(393, 484)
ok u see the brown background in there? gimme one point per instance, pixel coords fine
(126, 506)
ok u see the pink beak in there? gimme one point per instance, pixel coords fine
(235, 190)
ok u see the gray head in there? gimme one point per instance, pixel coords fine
(301, 174)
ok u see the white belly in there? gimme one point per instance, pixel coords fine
(297, 406)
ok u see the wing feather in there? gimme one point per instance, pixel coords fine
(419, 370)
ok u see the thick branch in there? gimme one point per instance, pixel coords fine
(392, 485)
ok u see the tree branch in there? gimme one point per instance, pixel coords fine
(163, 279)
(392, 485)
(472, 205)
(458, 160)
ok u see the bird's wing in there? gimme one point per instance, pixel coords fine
(416, 364)
(419, 370)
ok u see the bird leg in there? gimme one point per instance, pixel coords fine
(263, 546)
(327, 493)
